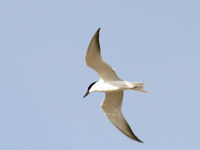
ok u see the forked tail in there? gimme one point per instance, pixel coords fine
(138, 86)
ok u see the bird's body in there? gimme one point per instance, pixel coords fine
(112, 85)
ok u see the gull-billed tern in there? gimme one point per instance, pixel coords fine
(112, 85)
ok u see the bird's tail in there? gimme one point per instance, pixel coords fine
(138, 86)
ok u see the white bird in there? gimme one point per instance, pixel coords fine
(112, 85)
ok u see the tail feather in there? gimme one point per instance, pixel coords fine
(138, 86)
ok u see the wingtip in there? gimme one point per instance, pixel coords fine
(137, 139)
(98, 30)
(140, 141)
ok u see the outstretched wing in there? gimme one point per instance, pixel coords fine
(94, 60)
(112, 108)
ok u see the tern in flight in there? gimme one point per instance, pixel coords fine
(112, 85)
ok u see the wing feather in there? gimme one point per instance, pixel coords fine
(94, 60)
(112, 108)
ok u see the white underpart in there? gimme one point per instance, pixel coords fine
(109, 86)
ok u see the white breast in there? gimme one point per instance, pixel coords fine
(108, 86)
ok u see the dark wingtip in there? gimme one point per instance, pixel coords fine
(96, 35)
(135, 138)
(138, 140)
(141, 141)
(98, 30)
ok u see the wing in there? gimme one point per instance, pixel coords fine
(112, 108)
(94, 60)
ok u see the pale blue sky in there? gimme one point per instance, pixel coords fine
(43, 75)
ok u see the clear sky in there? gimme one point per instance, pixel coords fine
(43, 75)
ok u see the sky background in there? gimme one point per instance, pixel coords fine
(43, 75)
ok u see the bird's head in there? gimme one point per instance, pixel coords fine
(88, 90)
